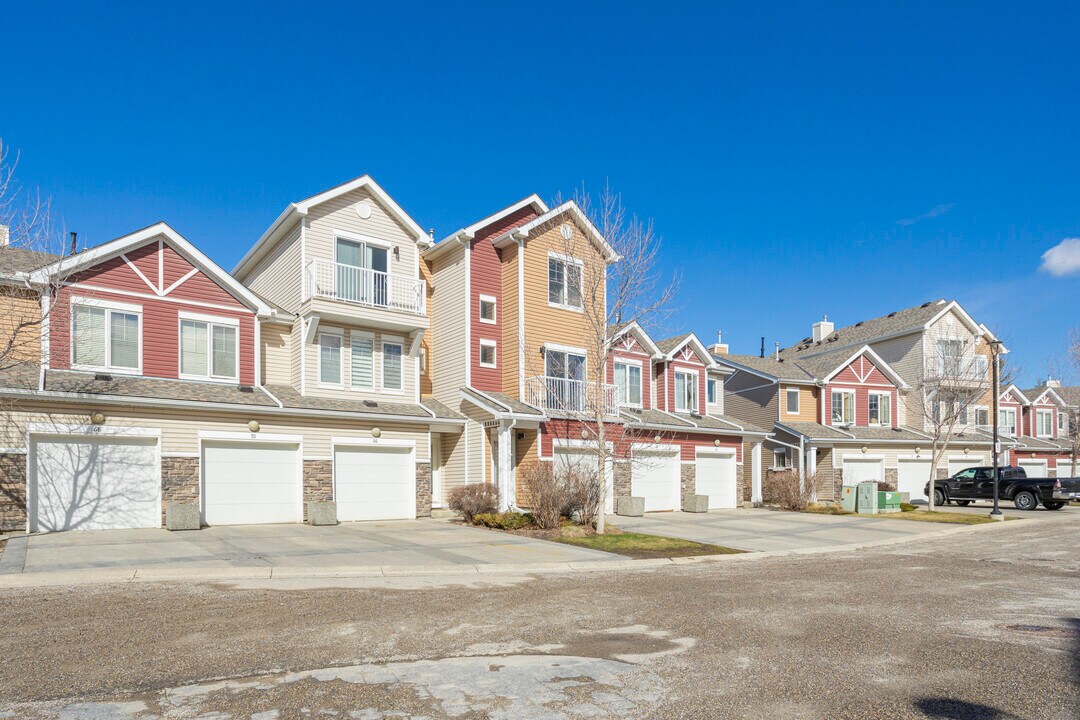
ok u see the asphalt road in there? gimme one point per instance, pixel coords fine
(913, 631)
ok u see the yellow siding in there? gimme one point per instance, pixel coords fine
(808, 404)
(18, 306)
(276, 353)
(180, 428)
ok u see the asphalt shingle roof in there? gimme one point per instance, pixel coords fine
(671, 343)
(16, 259)
(70, 381)
(440, 410)
(290, 398)
(769, 366)
(866, 331)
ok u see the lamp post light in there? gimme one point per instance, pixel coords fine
(995, 349)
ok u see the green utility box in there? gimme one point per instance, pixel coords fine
(868, 498)
(848, 498)
(889, 502)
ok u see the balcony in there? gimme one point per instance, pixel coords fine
(960, 369)
(361, 286)
(571, 397)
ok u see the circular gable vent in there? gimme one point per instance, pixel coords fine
(363, 209)
(566, 231)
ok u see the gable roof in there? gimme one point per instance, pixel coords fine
(829, 374)
(643, 338)
(571, 208)
(767, 367)
(1015, 391)
(121, 245)
(1070, 394)
(1037, 393)
(469, 231)
(672, 345)
(299, 209)
(16, 260)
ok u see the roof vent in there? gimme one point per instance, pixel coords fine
(105, 377)
(246, 389)
(926, 304)
(892, 314)
(370, 403)
(859, 324)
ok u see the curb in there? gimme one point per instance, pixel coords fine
(106, 576)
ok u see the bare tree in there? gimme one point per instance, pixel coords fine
(955, 380)
(611, 295)
(1072, 363)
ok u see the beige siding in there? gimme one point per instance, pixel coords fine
(478, 459)
(18, 306)
(453, 458)
(277, 355)
(180, 428)
(295, 361)
(318, 389)
(427, 343)
(279, 276)
(716, 408)
(904, 355)
(448, 359)
(808, 405)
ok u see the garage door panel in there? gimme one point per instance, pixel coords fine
(654, 478)
(250, 483)
(912, 476)
(716, 477)
(860, 470)
(94, 484)
(374, 483)
(1034, 469)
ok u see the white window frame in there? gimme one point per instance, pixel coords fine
(1049, 424)
(887, 422)
(710, 389)
(567, 260)
(854, 411)
(340, 335)
(494, 309)
(423, 360)
(641, 382)
(362, 335)
(691, 374)
(1003, 426)
(400, 342)
(110, 307)
(494, 345)
(975, 410)
(780, 453)
(210, 321)
(787, 400)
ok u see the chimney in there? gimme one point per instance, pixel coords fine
(5, 236)
(74, 237)
(720, 347)
(822, 329)
(1052, 383)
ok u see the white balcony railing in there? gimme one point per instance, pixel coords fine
(964, 368)
(560, 395)
(348, 283)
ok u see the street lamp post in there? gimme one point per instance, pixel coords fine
(995, 347)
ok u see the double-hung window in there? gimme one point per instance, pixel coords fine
(843, 407)
(1007, 421)
(1044, 423)
(950, 357)
(685, 392)
(392, 366)
(330, 365)
(564, 282)
(209, 347)
(106, 336)
(628, 382)
(982, 417)
(791, 398)
(362, 357)
(880, 409)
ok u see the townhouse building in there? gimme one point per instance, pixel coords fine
(851, 404)
(1036, 425)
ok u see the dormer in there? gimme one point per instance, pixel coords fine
(862, 390)
(682, 375)
(630, 366)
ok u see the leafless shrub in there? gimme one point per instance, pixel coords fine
(584, 495)
(551, 497)
(473, 500)
(788, 489)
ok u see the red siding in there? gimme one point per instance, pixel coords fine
(632, 351)
(667, 380)
(160, 316)
(863, 377)
(622, 439)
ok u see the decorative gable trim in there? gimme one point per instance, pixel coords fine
(567, 208)
(877, 361)
(638, 333)
(692, 345)
(1018, 397)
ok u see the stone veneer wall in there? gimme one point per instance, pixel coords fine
(620, 478)
(688, 481)
(12, 492)
(318, 481)
(179, 481)
(423, 489)
(892, 477)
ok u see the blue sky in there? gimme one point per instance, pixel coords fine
(849, 159)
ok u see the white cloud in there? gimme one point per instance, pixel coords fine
(934, 212)
(1063, 258)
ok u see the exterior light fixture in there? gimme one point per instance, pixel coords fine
(864, 449)
(716, 442)
(253, 426)
(376, 432)
(97, 417)
(584, 434)
(656, 439)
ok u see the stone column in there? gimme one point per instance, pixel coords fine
(13, 492)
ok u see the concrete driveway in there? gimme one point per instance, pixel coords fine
(775, 530)
(435, 543)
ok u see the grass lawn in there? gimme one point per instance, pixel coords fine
(640, 545)
(940, 516)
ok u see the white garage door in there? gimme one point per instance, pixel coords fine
(956, 466)
(654, 476)
(82, 483)
(248, 483)
(716, 478)
(374, 483)
(859, 470)
(1034, 468)
(569, 458)
(1065, 469)
(911, 477)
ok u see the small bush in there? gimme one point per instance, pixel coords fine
(473, 500)
(550, 497)
(908, 507)
(783, 488)
(583, 489)
(504, 520)
(825, 509)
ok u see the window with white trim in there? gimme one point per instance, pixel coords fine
(106, 337)
(362, 360)
(843, 407)
(950, 357)
(487, 309)
(564, 282)
(1061, 422)
(1007, 421)
(791, 398)
(1044, 423)
(330, 359)
(780, 459)
(208, 349)
(628, 383)
(392, 353)
(710, 391)
(685, 392)
(488, 354)
(982, 416)
(879, 406)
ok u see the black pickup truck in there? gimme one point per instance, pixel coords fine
(1025, 492)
